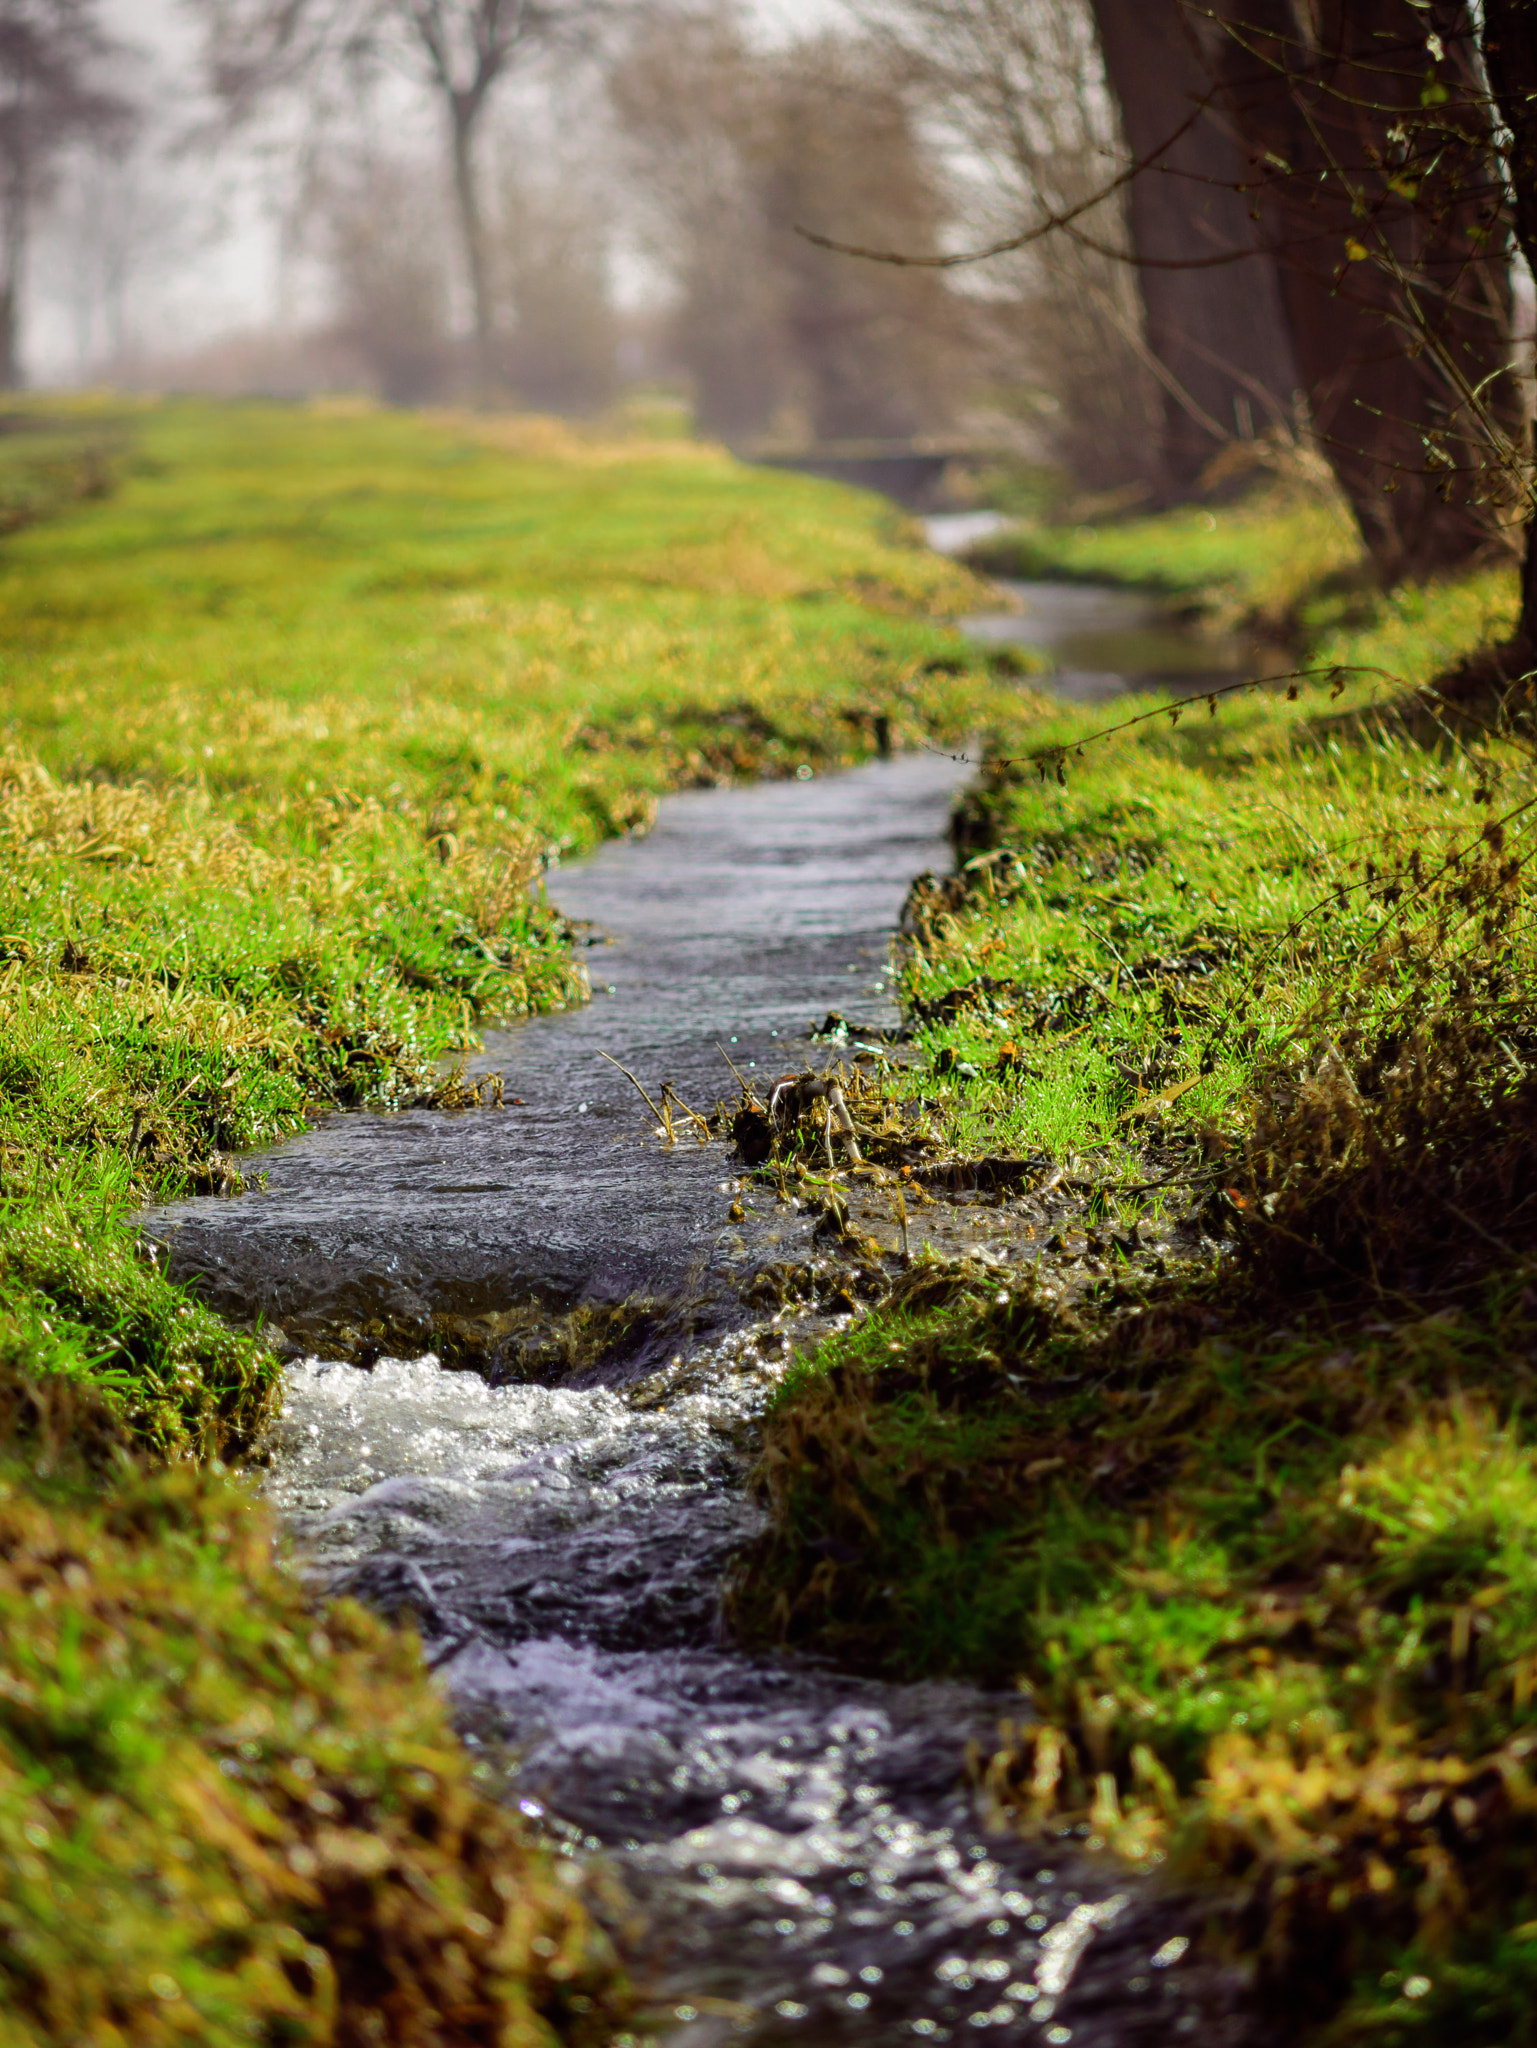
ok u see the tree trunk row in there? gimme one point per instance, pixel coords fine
(1317, 222)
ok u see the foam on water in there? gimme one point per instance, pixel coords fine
(799, 1847)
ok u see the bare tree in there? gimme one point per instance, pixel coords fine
(1510, 58)
(1371, 160)
(381, 231)
(52, 53)
(461, 50)
(551, 235)
(683, 95)
(739, 149)
(1017, 95)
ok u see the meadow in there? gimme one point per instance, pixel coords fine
(300, 710)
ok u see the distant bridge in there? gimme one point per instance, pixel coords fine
(914, 473)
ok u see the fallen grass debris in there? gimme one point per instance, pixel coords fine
(1246, 1517)
(299, 709)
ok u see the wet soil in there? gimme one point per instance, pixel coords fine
(785, 1853)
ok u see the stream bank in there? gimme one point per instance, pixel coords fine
(783, 1852)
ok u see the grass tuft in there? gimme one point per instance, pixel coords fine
(224, 1818)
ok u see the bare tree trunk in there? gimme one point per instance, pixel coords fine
(1218, 332)
(1510, 57)
(10, 367)
(464, 107)
(13, 244)
(1396, 292)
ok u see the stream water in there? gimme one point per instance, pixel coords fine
(785, 1852)
(1101, 639)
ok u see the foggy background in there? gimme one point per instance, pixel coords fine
(641, 170)
(582, 205)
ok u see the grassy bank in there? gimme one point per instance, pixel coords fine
(1237, 1483)
(1284, 563)
(295, 708)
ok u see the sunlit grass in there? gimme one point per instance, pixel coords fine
(297, 711)
(1249, 1530)
(1279, 557)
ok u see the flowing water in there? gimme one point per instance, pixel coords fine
(1101, 639)
(785, 1852)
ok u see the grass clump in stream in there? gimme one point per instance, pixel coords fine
(1252, 1527)
(298, 709)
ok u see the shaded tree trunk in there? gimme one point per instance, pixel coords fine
(15, 207)
(1371, 162)
(1510, 57)
(1217, 332)
(10, 360)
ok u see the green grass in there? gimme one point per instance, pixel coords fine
(1251, 1528)
(1285, 559)
(296, 709)
(226, 1819)
(292, 722)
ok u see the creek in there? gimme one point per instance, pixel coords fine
(1101, 638)
(783, 1851)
